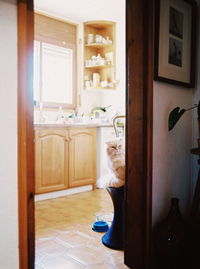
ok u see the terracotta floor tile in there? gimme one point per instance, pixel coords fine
(38, 256)
(106, 251)
(121, 266)
(60, 262)
(116, 258)
(38, 267)
(100, 266)
(75, 238)
(46, 232)
(50, 247)
(86, 255)
(64, 234)
(87, 229)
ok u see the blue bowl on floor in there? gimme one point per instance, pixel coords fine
(100, 226)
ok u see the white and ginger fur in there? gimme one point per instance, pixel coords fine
(116, 165)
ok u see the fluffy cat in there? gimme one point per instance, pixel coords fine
(116, 164)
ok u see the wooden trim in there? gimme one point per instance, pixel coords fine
(138, 192)
(25, 135)
(149, 130)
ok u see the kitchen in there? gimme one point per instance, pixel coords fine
(70, 135)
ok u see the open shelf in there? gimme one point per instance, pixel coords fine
(99, 66)
(100, 47)
(98, 88)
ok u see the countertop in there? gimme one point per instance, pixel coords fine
(70, 125)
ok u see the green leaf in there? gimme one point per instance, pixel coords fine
(198, 110)
(174, 116)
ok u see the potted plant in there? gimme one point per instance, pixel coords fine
(174, 117)
(177, 113)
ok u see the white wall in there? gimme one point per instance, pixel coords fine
(175, 170)
(8, 136)
(171, 150)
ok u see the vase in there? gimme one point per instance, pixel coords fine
(115, 235)
(173, 240)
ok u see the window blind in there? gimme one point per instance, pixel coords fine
(54, 31)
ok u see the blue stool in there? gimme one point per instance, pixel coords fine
(114, 238)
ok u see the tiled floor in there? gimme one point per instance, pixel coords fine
(64, 238)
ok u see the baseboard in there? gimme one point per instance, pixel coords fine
(56, 194)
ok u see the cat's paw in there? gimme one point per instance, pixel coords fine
(109, 180)
(105, 181)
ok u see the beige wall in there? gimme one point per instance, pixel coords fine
(171, 150)
(8, 136)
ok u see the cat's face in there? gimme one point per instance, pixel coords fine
(115, 147)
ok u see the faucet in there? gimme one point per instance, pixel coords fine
(103, 109)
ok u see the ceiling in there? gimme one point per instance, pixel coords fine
(83, 10)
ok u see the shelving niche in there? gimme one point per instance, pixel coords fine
(99, 55)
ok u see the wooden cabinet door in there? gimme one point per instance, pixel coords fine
(82, 157)
(51, 160)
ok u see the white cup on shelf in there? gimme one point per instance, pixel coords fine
(90, 38)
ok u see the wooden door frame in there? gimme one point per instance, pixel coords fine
(25, 135)
(139, 104)
(139, 59)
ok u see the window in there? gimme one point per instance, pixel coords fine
(54, 65)
(53, 74)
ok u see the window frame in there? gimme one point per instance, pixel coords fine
(74, 47)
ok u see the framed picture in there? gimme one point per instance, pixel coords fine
(174, 55)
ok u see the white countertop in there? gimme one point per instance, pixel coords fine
(71, 125)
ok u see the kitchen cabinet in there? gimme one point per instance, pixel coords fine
(64, 158)
(99, 55)
(82, 157)
(51, 160)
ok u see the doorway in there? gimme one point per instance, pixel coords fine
(70, 149)
(143, 94)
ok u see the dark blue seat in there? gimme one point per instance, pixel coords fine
(114, 238)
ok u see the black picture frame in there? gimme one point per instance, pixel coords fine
(174, 42)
